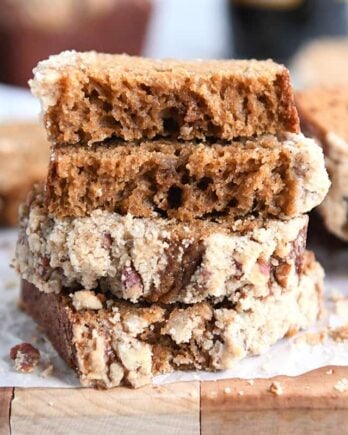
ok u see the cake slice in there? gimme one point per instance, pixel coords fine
(111, 342)
(89, 97)
(24, 156)
(270, 176)
(157, 259)
(324, 115)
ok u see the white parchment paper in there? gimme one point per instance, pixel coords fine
(288, 357)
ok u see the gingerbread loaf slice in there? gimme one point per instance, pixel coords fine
(159, 260)
(24, 156)
(110, 342)
(89, 97)
(324, 115)
(268, 176)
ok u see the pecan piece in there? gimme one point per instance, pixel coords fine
(132, 286)
(26, 357)
(282, 273)
(265, 268)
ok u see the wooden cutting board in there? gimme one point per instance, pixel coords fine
(310, 404)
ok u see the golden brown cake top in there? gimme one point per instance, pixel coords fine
(88, 97)
(121, 65)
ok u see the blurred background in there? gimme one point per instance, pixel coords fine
(309, 36)
(299, 33)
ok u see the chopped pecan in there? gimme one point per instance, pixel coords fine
(132, 285)
(282, 273)
(264, 266)
(44, 269)
(26, 357)
(107, 241)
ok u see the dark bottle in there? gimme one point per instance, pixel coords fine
(277, 28)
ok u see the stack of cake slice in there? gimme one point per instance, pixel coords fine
(171, 232)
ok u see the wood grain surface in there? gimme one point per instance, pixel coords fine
(5, 410)
(308, 404)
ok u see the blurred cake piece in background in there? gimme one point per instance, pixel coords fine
(322, 62)
(24, 154)
(31, 30)
(324, 115)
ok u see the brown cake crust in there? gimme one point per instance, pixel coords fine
(89, 97)
(156, 259)
(268, 176)
(111, 342)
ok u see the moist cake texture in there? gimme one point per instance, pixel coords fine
(270, 176)
(324, 114)
(24, 155)
(89, 97)
(110, 342)
(159, 259)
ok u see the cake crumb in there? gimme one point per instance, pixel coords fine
(227, 390)
(312, 338)
(342, 385)
(50, 403)
(25, 356)
(339, 334)
(160, 389)
(336, 295)
(86, 299)
(276, 388)
(329, 372)
(241, 393)
(250, 381)
(293, 330)
(341, 307)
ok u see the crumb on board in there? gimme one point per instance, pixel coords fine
(276, 388)
(227, 390)
(250, 381)
(329, 372)
(339, 334)
(25, 356)
(342, 385)
(241, 393)
(50, 403)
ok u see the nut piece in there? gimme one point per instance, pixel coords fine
(282, 274)
(132, 286)
(26, 357)
(342, 385)
(86, 300)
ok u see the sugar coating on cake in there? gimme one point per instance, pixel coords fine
(158, 259)
(89, 97)
(127, 344)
